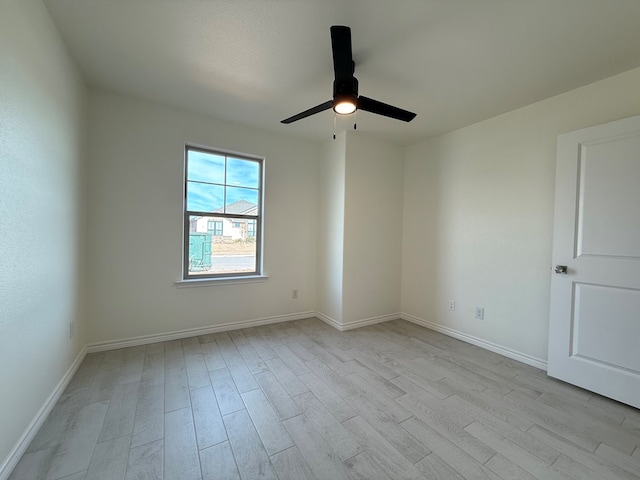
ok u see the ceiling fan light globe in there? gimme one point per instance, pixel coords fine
(344, 107)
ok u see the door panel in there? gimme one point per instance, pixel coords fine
(594, 327)
(609, 176)
(613, 341)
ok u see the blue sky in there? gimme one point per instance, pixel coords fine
(242, 181)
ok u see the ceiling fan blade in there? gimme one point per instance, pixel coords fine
(307, 113)
(374, 106)
(343, 65)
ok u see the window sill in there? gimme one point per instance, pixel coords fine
(209, 282)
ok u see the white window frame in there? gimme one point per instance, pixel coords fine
(259, 218)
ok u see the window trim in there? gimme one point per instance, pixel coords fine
(207, 282)
(259, 219)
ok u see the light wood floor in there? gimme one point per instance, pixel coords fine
(300, 400)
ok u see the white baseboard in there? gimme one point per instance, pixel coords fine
(329, 321)
(192, 332)
(21, 446)
(478, 342)
(343, 327)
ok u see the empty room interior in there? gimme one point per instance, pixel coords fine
(441, 281)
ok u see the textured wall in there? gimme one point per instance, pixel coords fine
(134, 233)
(41, 134)
(372, 228)
(478, 215)
(331, 193)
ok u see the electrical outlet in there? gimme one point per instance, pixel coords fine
(452, 305)
(294, 293)
(480, 313)
(72, 329)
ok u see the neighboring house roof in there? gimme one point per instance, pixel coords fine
(241, 207)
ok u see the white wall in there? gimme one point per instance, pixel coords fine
(135, 222)
(478, 213)
(372, 228)
(41, 117)
(360, 229)
(331, 193)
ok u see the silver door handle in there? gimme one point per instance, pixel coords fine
(560, 269)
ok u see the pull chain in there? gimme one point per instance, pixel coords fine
(334, 125)
(355, 117)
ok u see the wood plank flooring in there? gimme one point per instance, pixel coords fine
(300, 400)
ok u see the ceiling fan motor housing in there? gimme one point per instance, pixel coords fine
(345, 91)
(345, 87)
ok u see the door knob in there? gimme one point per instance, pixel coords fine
(560, 269)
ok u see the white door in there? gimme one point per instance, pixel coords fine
(594, 328)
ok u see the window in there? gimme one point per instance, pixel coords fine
(214, 227)
(222, 214)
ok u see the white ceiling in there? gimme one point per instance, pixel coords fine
(255, 62)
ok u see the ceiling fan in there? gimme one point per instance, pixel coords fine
(345, 86)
